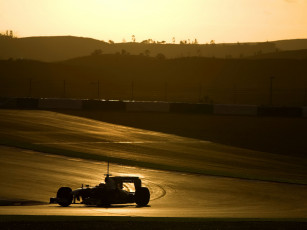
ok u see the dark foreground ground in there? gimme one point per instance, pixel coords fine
(280, 135)
(58, 222)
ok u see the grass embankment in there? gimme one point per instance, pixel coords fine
(279, 135)
(82, 222)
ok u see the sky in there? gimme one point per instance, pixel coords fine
(160, 20)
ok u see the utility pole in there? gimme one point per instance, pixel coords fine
(200, 92)
(165, 91)
(305, 97)
(98, 89)
(30, 87)
(132, 90)
(271, 90)
(64, 88)
(234, 94)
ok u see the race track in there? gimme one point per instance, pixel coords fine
(216, 180)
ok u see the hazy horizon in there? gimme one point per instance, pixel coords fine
(225, 21)
(128, 41)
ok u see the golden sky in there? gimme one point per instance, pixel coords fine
(219, 20)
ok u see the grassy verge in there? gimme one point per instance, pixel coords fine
(82, 222)
(279, 135)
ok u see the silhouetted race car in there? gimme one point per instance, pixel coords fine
(104, 194)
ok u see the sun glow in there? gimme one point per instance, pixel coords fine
(221, 20)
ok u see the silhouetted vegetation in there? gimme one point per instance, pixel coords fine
(160, 56)
(62, 48)
(97, 52)
(9, 34)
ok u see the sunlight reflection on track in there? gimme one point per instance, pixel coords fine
(116, 142)
(156, 191)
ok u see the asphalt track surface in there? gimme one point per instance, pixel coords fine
(230, 183)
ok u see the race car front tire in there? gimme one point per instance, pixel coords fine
(64, 196)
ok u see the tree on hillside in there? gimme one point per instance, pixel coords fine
(145, 41)
(148, 41)
(124, 52)
(189, 41)
(96, 52)
(198, 52)
(8, 34)
(173, 40)
(111, 42)
(183, 42)
(147, 52)
(160, 56)
(133, 38)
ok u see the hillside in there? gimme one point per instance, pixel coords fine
(47, 48)
(292, 44)
(289, 54)
(60, 48)
(136, 77)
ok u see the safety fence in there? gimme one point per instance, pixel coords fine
(155, 106)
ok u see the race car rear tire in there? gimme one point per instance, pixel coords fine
(142, 196)
(64, 196)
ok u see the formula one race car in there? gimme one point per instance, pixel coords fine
(105, 194)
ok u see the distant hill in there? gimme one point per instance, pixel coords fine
(61, 48)
(291, 54)
(47, 48)
(293, 44)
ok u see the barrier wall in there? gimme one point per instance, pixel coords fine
(147, 107)
(27, 103)
(104, 105)
(59, 103)
(280, 111)
(191, 108)
(250, 110)
(8, 103)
